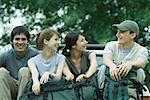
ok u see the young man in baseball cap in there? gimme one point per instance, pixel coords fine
(124, 59)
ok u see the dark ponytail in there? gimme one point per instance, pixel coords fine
(70, 40)
(66, 51)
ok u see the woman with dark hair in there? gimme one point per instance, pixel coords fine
(81, 62)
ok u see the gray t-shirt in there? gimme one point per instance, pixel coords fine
(49, 65)
(13, 63)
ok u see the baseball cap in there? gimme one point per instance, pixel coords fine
(127, 25)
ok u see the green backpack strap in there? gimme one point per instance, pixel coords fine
(138, 86)
(115, 90)
(88, 89)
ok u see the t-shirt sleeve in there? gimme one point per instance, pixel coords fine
(32, 59)
(60, 57)
(108, 48)
(33, 52)
(144, 53)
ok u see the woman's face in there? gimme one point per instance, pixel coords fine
(53, 43)
(81, 44)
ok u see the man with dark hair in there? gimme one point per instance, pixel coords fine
(14, 73)
(124, 59)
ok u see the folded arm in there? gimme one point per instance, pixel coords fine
(108, 61)
(35, 75)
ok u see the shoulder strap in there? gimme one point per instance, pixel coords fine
(85, 63)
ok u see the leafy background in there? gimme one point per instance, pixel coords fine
(93, 17)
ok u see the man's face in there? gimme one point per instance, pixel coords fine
(124, 36)
(20, 42)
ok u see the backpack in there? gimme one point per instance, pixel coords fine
(126, 88)
(62, 90)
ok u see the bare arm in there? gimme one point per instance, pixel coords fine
(139, 62)
(67, 73)
(124, 68)
(93, 65)
(92, 69)
(33, 70)
(108, 61)
(35, 75)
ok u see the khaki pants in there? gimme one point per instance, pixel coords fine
(10, 88)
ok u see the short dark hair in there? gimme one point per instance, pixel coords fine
(18, 30)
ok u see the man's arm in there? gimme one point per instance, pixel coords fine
(139, 62)
(108, 61)
(142, 59)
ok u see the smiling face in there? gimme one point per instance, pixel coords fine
(53, 43)
(20, 42)
(125, 37)
(81, 44)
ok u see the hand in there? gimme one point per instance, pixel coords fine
(114, 73)
(45, 77)
(124, 69)
(69, 76)
(81, 77)
(36, 88)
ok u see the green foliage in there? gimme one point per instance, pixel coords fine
(94, 17)
(4, 40)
